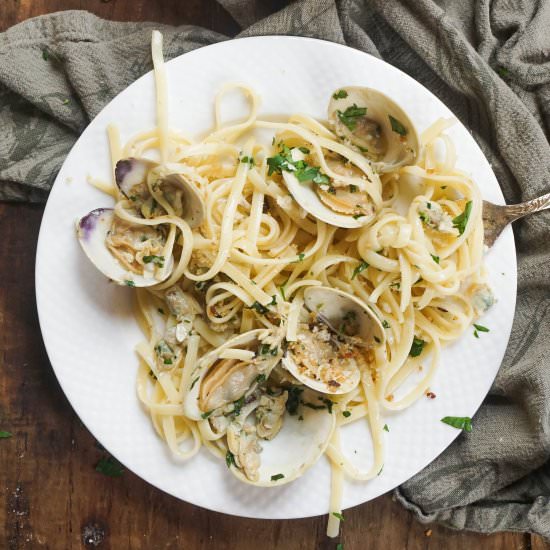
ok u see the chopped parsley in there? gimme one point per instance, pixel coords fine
(109, 466)
(194, 382)
(417, 347)
(261, 378)
(385, 428)
(230, 459)
(158, 260)
(361, 267)
(5, 435)
(301, 257)
(266, 350)
(127, 282)
(346, 414)
(397, 127)
(66, 101)
(423, 217)
(283, 161)
(48, 55)
(168, 361)
(248, 160)
(478, 329)
(353, 188)
(357, 216)
(262, 310)
(340, 94)
(338, 515)
(276, 477)
(461, 220)
(350, 115)
(385, 324)
(205, 415)
(313, 406)
(238, 405)
(273, 300)
(503, 71)
(435, 258)
(282, 290)
(293, 401)
(458, 422)
(329, 404)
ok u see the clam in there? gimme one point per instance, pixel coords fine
(375, 125)
(169, 186)
(230, 390)
(335, 333)
(125, 253)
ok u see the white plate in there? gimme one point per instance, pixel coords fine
(87, 323)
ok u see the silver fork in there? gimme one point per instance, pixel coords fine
(497, 217)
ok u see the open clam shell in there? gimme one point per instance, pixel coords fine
(299, 444)
(93, 230)
(376, 125)
(330, 352)
(306, 195)
(262, 451)
(131, 176)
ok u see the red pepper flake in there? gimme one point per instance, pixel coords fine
(430, 394)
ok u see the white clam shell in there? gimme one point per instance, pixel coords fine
(134, 171)
(92, 231)
(332, 305)
(398, 150)
(305, 195)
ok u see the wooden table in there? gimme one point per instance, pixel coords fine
(51, 495)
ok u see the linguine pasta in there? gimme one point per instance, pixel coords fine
(413, 258)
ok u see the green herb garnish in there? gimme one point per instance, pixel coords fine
(276, 477)
(340, 94)
(479, 328)
(205, 415)
(158, 260)
(361, 267)
(385, 428)
(350, 115)
(194, 382)
(5, 435)
(435, 258)
(127, 282)
(459, 422)
(503, 71)
(301, 257)
(338, 515)
(238, 405)
(353, 188)
(261, 378)
(109, 466)
(293, 401)
(259, 308)
(230, 459)
(461, 220)
(417, 347)
(248, 160)
(346, 414)
(397, 127)
(385, 324)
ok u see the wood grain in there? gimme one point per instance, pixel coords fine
(51, 495)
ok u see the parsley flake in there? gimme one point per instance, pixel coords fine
(346, 414)
(385, 428)
(461, 220)
(435, 258)
(459, 422)
(230, 459)
(397, 126)
(361, 267)
(417, 347)
(338, 515)
(158, 260)
(340, 94)
(350, 115)
(385, 324)
(276, 477)
(109, 466)
(5, 435)
(127, 282)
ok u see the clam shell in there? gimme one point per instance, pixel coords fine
(92, 231)
(385, 118)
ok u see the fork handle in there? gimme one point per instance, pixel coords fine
(516, 211)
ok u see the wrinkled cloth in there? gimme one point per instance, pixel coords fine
(488, 60)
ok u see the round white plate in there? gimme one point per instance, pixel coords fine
(87, 323)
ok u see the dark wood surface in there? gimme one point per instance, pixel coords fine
(51, 496)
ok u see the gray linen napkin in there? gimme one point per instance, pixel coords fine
(489, 61)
